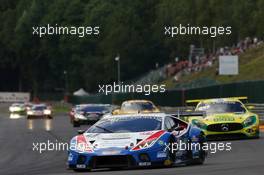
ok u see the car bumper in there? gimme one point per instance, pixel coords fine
(17, 110)
(125, 159)
(246, 132)
(38, 115)
(87, 119)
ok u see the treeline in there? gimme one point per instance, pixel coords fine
(133, 29)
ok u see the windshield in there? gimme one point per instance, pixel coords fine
(137, 106)
(17, 105)
(94, 108)
(39, 107)
(126, 124)
(221, 107)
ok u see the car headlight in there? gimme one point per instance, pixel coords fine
(29, 113)
(249, 121)
(79, 116)
(199, 123)
(80, 144)
(47, 112)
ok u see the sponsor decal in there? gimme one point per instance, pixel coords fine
(144, 163)
(223, 118)
(149, 141)
(83, 145)
(146, 133)
(161, 154)
(160, 142)
(80, 166)
(110, 152)
(70, 157)
(14, 97)
(195, 139)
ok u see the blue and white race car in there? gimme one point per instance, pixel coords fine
(136, 140)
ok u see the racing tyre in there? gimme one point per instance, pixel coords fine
(202, 153)
(171, 155)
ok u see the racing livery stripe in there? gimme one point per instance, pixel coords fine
(154, 136)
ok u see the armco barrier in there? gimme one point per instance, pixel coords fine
(252, 89)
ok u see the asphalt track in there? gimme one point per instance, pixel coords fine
(17, 136)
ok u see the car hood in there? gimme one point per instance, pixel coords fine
(137, 111)
(92, 112)
(107, 140)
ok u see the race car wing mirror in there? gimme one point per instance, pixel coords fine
(81, 131)
(179, 128)
(250, 107)
(115, 111)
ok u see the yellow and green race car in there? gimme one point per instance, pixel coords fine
(226, 118)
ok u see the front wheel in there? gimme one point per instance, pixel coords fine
(171, 155)
(202, 153)
(201, 159)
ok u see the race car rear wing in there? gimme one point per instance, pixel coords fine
(180, 114)
(199, 100)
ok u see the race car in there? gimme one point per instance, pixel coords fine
(136, 140)
(226, 118)
(40, 110)
(17, 108)
(136, 106)
(89, 113)
(74, 109)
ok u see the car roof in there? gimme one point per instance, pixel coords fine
(158, 114)
(92, 104)
(18, 103)
(137, 101)
(220, 100)
(39, 105)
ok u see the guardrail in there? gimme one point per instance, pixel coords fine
(258, 109)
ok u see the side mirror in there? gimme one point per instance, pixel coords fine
(251, 107)
(81, 131)
(179, 128)
(116, 111)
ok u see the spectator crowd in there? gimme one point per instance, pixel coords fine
(203, 61)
